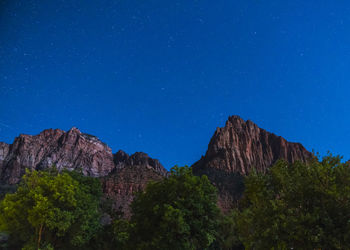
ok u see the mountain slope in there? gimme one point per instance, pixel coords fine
(121, 175)
(70, 150)
(131, 175)
(236, 149)
(233, 152)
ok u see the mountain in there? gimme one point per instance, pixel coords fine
(121, 174)
(70, 150)
(233, 152)
(132, 173)
(239, 147)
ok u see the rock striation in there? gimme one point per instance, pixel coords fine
(71, 150)
(121, 175)
(4, 150)
(233, 152)
(236, 149)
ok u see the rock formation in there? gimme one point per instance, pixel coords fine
(70, 150)
(4, 150)
(121, 175)
(132, 173)
(236, 149)
(233, 152)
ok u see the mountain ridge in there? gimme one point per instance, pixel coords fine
(236, 149)
(233, 151)
(70, 149)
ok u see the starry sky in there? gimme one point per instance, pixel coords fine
(159, 76)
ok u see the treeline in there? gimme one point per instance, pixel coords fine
(292, 206)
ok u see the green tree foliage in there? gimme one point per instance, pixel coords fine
(227, 234)
(298, 206)
(51, 210)
(111, 236)
(179, 212)
(121, 233)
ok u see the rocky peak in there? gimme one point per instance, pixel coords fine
(237, 148)
(122, 159)
(74, 130)
(121, 175)
(70, 150)
(241, 146)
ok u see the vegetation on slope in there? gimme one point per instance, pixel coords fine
(291, 206)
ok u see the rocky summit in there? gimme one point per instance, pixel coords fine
(121, 175)
(70, 150)
(239, 147)
(233, 152)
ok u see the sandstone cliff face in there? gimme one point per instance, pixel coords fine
(132, 173)
(4, 150)
(70, 150)
(121, 175)
(241, 146)
(236, 149)
(233, 152)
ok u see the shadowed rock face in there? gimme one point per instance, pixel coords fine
(122, 159)
(236, 149)
(131, 175)
(4, 150)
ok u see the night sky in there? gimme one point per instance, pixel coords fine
(160, 76)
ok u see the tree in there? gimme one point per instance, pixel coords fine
(179, 212)
(51, 209)
(227, 234)
(111, 236)
(297, 206)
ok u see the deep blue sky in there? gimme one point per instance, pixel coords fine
(159, 76)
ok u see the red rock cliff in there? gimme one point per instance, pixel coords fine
(236, 149)
(70, 150)
(131, 175)
(121, 175)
